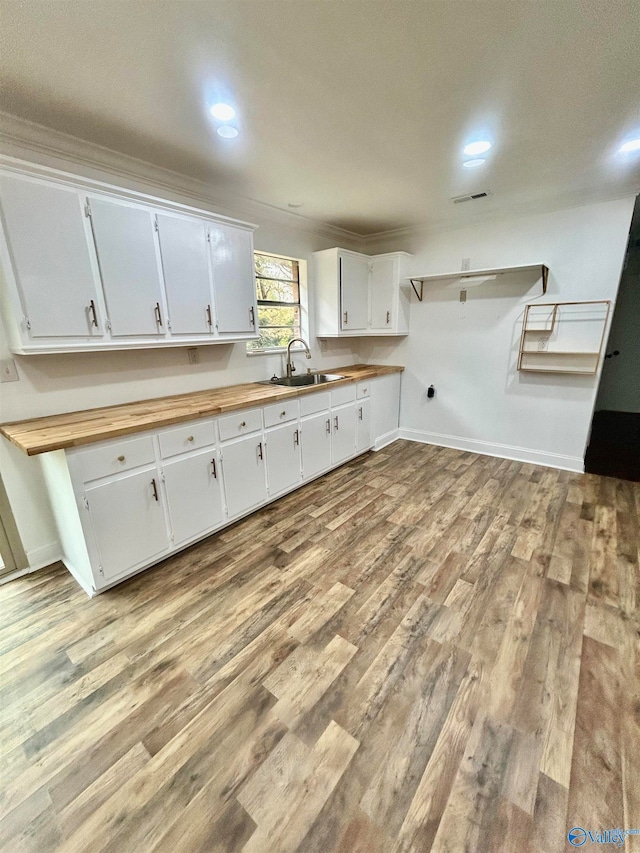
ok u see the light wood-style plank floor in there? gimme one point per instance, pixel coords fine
(423, 650)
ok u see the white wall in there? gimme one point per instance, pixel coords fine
(469, 351)
(66, 382)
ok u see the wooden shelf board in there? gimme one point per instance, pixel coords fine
(555, 370)
(542, 269)
(557, 352)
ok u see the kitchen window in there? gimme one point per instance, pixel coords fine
(278, 290)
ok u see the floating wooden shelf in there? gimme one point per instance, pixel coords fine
(552, 323)
(416, 280)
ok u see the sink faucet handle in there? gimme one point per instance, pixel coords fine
(293, 367)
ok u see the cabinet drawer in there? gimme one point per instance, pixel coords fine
(240, 423)
(115, 457)
(312, 403)
(280, 413)
(188, 437)
(363, 389)
(344, 394)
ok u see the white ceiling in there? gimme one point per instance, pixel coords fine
(357, 108)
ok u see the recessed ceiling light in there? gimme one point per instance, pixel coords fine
(631, 145)
(227, 131)
(471, 164)
(223, 112)
(474, 148)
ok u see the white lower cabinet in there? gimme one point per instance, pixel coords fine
(194, 498)
(343, 441)
(245, 482)
(363, 426)
(124, 504)
(283, 458)
(128, 522)
(316, 444)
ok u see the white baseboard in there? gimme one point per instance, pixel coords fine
(45, 555)
(503, 451)
(387, 438)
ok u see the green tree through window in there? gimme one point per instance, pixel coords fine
(278, 292)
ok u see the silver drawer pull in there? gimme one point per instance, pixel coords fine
(243, 423)
(328, 425)
(120, 458)
(283, 413)
(190, 438)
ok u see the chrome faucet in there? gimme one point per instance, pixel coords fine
(291, 367)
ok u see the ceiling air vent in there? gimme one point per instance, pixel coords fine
(460, 198)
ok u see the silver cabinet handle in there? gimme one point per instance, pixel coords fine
(94, 316)
(388, 317)
(360, 412)
(158, 314)
(328, 425)
(296, 438)
(213, 468)
(260, 453)
(155, 489)
(209, 318)
(252, 316)
(346, 318)
(335, 421)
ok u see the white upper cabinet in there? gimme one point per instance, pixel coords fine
(383, 292)
(126, 247)
(354, 291)
(89, 267)
(358, 295)
(185, 265)
(233, 279)
(45, 230)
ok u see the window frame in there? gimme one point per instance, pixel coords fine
(301, 304)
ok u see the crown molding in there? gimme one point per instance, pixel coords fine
(28, 141)
(539, 207)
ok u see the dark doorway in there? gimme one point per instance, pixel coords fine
(614, 445)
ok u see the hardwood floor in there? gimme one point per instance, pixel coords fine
(424, 650)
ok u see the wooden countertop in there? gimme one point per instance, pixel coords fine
(56, 432)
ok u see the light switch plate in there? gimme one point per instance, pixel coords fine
(8, 370)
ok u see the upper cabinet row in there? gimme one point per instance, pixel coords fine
(85, 270)
(359, 295)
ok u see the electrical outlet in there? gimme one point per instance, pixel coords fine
(466, 264)
(193, 355)
(323, 345)
(8, 370)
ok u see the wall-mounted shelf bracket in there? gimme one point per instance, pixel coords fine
(415, 281)
(462, 275)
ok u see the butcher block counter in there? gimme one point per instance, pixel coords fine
(73, 429)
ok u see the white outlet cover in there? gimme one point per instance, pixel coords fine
(8, 370)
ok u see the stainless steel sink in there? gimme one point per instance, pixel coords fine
(303, 379)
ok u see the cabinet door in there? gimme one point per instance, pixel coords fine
(245, 484)
(125, 242)
(283, 458)
(233, 279)
(50, 252)
(354, 292)
(316, 445)
(363, 426)
(193, 495)
(128, 521)
(343, 439)
(382, 293)
(185, 265)
(385, 405)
